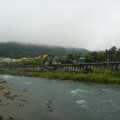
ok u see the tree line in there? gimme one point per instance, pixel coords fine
(67, 55)
(110, 55)
(19, 50)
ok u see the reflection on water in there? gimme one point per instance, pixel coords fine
(83, 104)
(43, 99)
(26, 82)
(6, 76)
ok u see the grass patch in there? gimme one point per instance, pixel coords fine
(95, 76)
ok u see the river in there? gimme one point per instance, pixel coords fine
(43, 99)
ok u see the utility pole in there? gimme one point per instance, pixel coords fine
(107, 59)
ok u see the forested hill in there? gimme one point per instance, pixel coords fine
(19, 50)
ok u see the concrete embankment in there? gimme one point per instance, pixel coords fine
(63, 67)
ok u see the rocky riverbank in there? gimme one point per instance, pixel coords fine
(14, 98)
(8, 96)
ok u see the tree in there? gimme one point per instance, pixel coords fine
(101, 56)
(118, 55)
(94, 54)
(73, 56)
(112, 53)
(88, 57)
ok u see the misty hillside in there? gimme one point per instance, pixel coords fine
(18, 50)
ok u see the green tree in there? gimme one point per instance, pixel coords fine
(118, 54)
(113, 53)
(88, 57)
(101, 56)
(73, 56)
(94, 55)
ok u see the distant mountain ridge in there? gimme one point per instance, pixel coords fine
(20, 50)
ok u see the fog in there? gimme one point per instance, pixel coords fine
(90, 24)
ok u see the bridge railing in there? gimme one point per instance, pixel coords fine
(69, 67)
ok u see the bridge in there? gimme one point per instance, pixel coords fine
(64, 67)
(52, 63)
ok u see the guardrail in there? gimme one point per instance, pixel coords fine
(69, 67)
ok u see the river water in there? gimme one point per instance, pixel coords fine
(43, 99)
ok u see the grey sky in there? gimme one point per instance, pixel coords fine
(90, 24)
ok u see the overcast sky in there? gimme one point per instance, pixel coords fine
(90, 24)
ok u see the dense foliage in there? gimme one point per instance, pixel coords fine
(95, 76)
(18, 50)
(112, 55)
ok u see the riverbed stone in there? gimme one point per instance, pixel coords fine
(1, 117)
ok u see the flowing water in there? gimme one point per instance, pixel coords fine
(43, 99)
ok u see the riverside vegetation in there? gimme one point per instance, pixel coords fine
(93, 76)
(111, 55)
